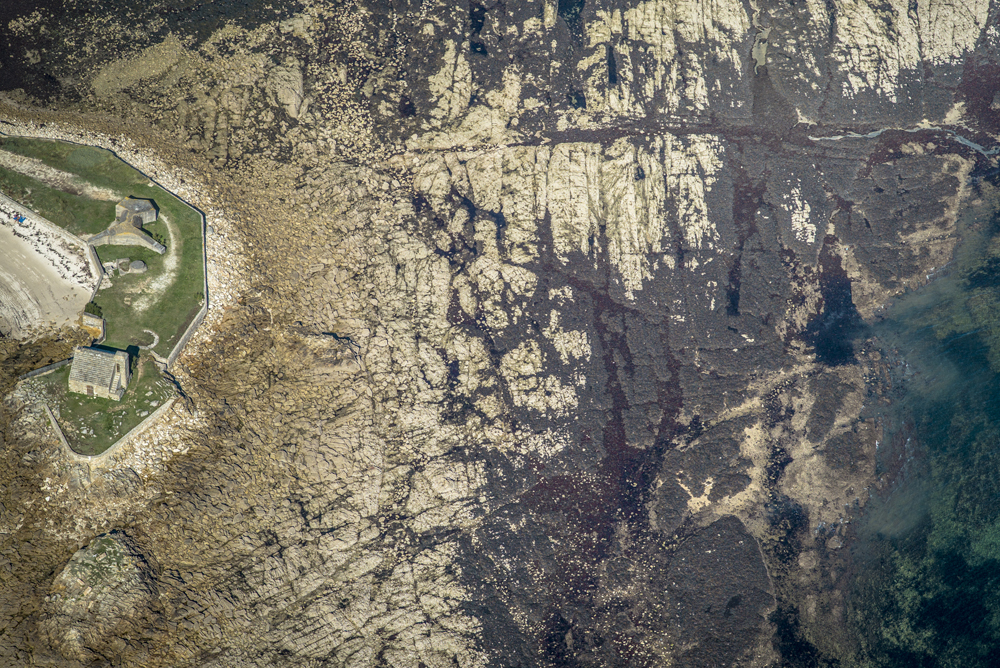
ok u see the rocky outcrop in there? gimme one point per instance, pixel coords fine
(96, 597)
(540, 329)
(285, 84)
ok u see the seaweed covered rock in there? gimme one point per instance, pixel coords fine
(100, 596)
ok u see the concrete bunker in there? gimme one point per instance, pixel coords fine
(126, 230)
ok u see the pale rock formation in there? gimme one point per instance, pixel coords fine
(146, 66)
(573, 345)
(482, 126)
(880, 44)
(876, 45)
(285, 85)
(523, 370)
(537, 371)
(654, 78)
(573, 197)
(632, 191)
(452, 84)
(864, 61)
(103, 590)
(949, 28)
(802, 227)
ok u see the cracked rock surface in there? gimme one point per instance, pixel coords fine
(538, 330)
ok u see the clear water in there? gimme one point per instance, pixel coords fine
(927, 591)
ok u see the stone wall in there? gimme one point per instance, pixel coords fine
(105, 456)
(46, 369)
(192, 328)
(198, 319)
(157, 175)
(120, 235)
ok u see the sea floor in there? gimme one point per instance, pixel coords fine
(927, 589)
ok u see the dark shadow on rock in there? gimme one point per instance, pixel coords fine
(721, 591)
(771, 112)
(833, 331)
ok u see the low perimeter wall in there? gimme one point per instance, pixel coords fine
(134, 433)
(45, 369)
(91, 253)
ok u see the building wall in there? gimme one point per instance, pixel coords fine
(123, 214)
(103, 390)
(93, 326)
(99, 391)
(129, 239)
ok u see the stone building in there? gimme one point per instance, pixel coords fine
(99, 373)
(130, 215)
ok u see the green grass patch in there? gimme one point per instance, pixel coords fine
(164, 299)
(93, 424)
(95, 165)
(129, 308)
(74, 213)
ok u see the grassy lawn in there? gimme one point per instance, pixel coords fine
(127, 305)
(93, 424)
(75, 213)
(164, 299)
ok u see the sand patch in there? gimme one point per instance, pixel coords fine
(44, 281)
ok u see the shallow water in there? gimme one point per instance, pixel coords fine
(927, 590)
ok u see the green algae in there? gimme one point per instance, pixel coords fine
(927, 590)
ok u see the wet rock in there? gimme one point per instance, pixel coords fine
(514, 345)
(722, 593)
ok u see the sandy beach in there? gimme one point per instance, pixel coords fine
(45, 281)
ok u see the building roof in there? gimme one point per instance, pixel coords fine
(136, 205)
(93, 366)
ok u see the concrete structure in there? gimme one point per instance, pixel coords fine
(130, 215)
(93, 325)
(135, 211)
(49, 132)
(100, 373)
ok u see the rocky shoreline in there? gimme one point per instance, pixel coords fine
(538, 333)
